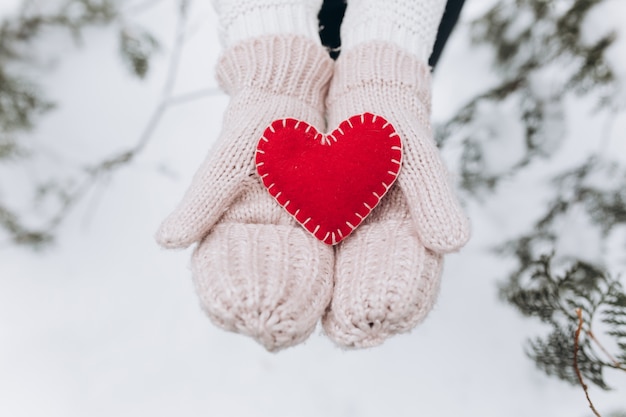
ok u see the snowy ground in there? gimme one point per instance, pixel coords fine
(107, 324)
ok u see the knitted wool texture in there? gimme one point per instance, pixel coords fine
(387, 273)
(409, 24)
(244, 19)
(256, 271)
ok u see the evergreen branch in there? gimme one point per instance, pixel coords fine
(536, 291)
(576, 368)
(19, 234)
(29, 24)
(525, 49)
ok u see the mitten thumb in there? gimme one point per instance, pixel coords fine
(442, 225)
(216, 184)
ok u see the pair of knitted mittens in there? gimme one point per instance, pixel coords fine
(259, 272)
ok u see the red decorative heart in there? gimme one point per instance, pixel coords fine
(329, 183)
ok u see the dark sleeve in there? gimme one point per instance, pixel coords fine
(331, 15)
(450, 17)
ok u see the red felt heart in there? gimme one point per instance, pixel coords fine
(329, 183)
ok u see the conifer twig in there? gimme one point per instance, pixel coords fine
(579, 313)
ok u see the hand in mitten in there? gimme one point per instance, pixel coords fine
(256, 271)
(387, 272)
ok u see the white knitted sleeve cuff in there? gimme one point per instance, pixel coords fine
(409, 24)
(244, 19)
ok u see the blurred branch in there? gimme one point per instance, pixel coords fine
(167, 100)
(137, 47)
(109, 165)
(170, 80)
(578, 374)
(20, 235)
(192, 96)
(545, 63)
(21, 98)
(542, 60)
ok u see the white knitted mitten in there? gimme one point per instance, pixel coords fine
(256, 271)
(386, 281)
(387, 273)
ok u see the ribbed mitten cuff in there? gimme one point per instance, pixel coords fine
(381, 65)
(288, 65)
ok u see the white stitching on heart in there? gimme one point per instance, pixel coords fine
(326, 139)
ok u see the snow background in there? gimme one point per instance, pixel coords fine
(107, 324)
